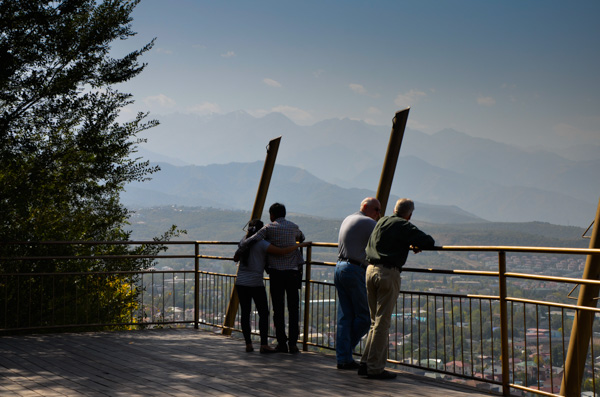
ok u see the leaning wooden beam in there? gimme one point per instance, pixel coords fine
(259, 204)
(391, 158)
(582, 326)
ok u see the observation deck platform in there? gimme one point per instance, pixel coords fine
(185, 362)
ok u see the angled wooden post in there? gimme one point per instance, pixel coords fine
(259, 203)
(391, 158)
(582, 326)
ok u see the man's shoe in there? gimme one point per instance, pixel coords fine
(294, 349)
(351, 365)
(362, 369)
(382, 375)
(267, 349)
(281, 348)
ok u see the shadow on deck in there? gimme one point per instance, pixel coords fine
(183, 362)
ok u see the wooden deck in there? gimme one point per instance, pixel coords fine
(184, 362)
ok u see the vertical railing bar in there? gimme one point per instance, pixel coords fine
(592, 352)
(481, 334)
(427, 331)
(412, 330)
(471, 334)
(173, 296)
(453, 325)
(99, 309)
(436, 331)
(503, 324)
(396, 331)
(492, 338)
(41, 303)
(403, 327)
(444, 326)
(6, 282)
(307, 293)
(53, 299)
(64, 302)
(164, 319)
(152, 298)
(562, 321)
(130, 298)
(183, 297)
(329, 315)
(550, 349)
(462, 337)
(537, 338)
(512, 336)
(216, 300)
(196, 285)
(75, 303)
(525, 341)
(142, 292)
(18, 301)
(316, 309)
(419, 328)
(30, 304)
(87, 300)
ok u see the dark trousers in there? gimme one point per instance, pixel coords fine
(259, 295)
(285, 283)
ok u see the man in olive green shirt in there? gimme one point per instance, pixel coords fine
(387, 251)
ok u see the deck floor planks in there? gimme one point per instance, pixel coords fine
(183, 362)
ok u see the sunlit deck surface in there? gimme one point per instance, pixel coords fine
(184, 362)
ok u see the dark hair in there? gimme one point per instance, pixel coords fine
(254, 226)
(277, 210)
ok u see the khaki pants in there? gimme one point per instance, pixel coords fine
(383, 287)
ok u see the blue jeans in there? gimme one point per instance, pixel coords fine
(353, 319)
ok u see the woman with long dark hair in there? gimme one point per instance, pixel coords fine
(250, 285)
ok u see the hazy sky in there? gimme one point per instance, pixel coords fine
(519, 72)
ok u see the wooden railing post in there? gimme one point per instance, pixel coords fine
(503, 324)
(582, 326)
(259, 203)
(391, 158)
(307, 298)
(196, 285)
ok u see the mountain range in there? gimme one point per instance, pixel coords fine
(327, 168)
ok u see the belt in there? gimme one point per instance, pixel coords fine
(386, 265)
(353, 262)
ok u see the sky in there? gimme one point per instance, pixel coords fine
(525, 73)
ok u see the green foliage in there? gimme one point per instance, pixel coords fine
(65, 157)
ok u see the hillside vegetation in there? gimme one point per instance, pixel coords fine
(226, 225)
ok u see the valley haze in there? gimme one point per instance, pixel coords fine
(325, 170)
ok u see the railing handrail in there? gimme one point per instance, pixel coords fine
(501, 273)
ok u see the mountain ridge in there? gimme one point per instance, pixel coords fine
(493, 181)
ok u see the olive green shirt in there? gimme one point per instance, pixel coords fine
(391, 240)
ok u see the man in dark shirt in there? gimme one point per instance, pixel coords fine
(387, 251)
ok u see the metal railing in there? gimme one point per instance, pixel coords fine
(435, 333)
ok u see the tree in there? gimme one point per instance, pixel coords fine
(64, 156)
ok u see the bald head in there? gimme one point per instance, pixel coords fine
(371, 207)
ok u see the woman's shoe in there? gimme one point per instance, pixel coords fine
(266, 349)
(249, 348)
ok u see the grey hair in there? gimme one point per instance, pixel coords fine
(404, 207)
